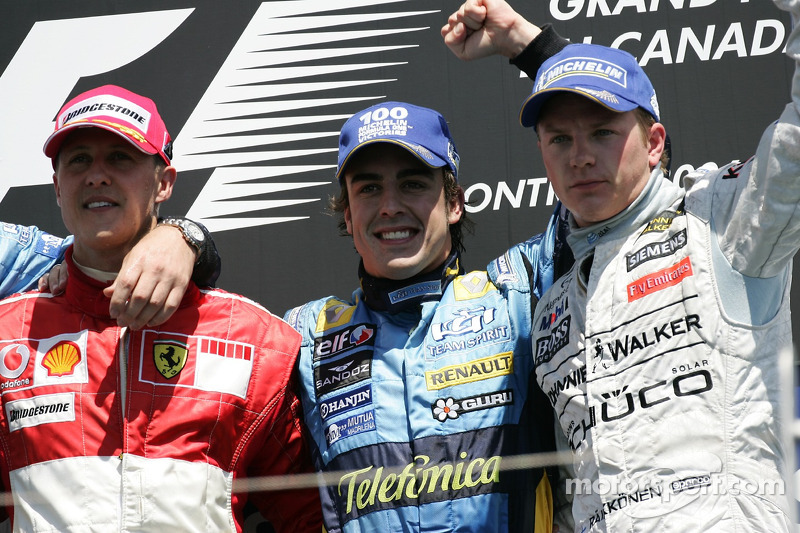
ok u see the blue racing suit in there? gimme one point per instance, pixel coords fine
(26, 254)
(416, 393)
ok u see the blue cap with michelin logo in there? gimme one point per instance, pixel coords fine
(420, 130)
(609, 76)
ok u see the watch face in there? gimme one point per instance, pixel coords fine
(195, 232)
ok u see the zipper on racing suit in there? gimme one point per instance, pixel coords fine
(131, 480)
(123, 373)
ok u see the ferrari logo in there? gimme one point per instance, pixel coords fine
(170, 357)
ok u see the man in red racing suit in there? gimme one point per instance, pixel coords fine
(103, 428)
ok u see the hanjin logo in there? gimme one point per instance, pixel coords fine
(346, 402)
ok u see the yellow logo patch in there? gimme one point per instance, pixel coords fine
(170, 357)
(472, 285)
(662, 222)
(500, 364)
(335, 313)
(62, 359)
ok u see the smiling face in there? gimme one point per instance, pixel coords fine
(397, 212)
(598, 160)
(108, 191)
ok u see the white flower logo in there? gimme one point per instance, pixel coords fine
(445, 409)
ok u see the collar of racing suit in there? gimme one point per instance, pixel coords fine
(394, 296)
(86, 293)
(659, 194)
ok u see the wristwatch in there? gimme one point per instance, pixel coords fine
(191, 231)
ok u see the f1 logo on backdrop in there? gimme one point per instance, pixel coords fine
(271, 69)
(40, 76)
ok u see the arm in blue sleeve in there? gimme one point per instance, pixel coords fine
(26, 254)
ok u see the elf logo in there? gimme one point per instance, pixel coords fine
(346, 339)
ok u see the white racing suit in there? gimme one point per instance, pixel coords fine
(659, 349)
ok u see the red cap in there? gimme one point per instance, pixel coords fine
(132, 117)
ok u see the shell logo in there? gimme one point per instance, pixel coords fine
(62, 359)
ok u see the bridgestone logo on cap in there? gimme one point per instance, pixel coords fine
(107, 106)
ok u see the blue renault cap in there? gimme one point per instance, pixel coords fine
(609, 76)
(420, 130)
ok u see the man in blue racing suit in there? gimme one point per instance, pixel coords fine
(417, 390)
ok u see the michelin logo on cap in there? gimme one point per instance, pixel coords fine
(583, 66)
(420, 130)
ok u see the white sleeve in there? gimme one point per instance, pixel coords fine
(756, 206)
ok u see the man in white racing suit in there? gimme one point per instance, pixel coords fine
(659, 348)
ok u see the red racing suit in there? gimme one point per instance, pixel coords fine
(107, 429)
